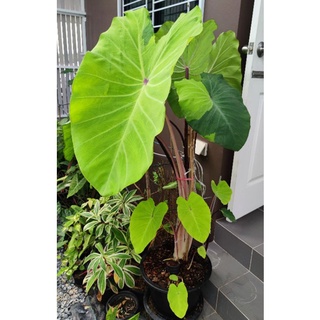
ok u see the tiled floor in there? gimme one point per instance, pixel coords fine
(243, 239)
(235, 289)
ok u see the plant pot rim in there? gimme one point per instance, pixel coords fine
(124, 293)
(156, 315)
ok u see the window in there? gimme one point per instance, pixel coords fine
(160, 10)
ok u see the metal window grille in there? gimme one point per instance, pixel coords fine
(71, 46)
(160, 10)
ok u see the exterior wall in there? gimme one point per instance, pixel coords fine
(229, 15)
(99, 16)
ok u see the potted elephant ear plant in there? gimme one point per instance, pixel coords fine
(119, 103)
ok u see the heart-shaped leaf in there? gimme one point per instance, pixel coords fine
(178, 299)
(228, 119)
(195, 216)
(225, 59)
(145, 221)
(118, 94)
(222, 191)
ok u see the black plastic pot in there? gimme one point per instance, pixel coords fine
(155, 314)
(130, 307)
(78, 277)
(159, 301)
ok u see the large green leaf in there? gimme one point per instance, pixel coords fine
(145, 221)
(118, 95)
(196, 55)
(193, 98)
(195, 216)
(193, 62)
(225, 59)
(228, 119)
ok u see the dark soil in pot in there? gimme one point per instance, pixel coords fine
(155, 267)
(127, 304)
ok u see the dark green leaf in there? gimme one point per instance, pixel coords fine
(228, 214)
(228, 119)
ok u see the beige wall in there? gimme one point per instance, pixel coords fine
(99, 17)
(224, 12)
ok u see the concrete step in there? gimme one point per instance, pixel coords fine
(243, 239)
(235, 289)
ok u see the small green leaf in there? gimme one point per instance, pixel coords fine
(117, 270)
(112, 313)
(170, 185)
(102, 283)
(222, 191)
(173, 277)
(68, 151)
(120, 256)
(135, 317)
(99, 230)
(76, 185)
(132, 269)
(90, 225)
(202, 252)
(100, 248)
(128, 279)
(228, 214)
(119, 235)
(92, 279)
(178, 299)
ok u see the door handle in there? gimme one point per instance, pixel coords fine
(249, 49)
(260, 49)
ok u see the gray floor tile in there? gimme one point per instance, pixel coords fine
(227, 310)
(210, 293)
(248, 228)
(246, 293)
(224, 267)
(259, 249)
(257, 265)
(208, 313)
(233, 245)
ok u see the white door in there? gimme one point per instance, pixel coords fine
(247, 172)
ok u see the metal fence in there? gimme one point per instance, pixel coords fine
(71, 46)
(160, 10)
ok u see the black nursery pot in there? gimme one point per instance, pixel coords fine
(78, 277)
(158, 295)
(129, 308)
